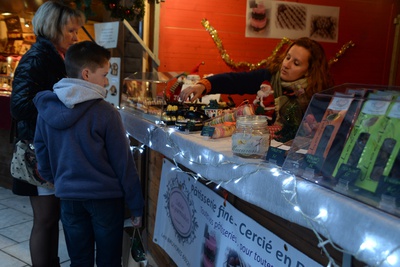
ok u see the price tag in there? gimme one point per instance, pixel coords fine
(276, 155)
(313, 162)
(207, 131)
(348, 173)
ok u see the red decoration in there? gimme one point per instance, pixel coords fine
(112, 5)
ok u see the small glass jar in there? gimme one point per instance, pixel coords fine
(251, 138)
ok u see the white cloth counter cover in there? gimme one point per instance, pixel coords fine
(370, 235)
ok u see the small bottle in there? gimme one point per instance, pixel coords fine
(251, 138)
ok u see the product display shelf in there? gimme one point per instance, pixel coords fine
(349, 142)
(146, 91)
(367, 233)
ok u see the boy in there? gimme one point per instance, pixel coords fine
(81, 147)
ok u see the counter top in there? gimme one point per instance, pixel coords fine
(368, 234)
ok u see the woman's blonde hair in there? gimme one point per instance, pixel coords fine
(318, 76)
(51, 17)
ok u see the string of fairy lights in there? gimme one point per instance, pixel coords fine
(289, 191)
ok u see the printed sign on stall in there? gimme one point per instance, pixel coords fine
(196, 227)
(106, 34)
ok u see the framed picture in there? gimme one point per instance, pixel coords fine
(18, 46)
(3, 67)
(13, 24)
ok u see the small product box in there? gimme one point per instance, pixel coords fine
(331, 133)
(386, 170)
(362, 149)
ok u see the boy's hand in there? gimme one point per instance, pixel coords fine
(136, 221)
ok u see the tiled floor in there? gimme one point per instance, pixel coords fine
(15, 226)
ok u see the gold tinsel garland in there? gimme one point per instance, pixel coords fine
(245, 66)
(341, 52)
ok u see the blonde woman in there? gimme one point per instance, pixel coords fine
(55, 26)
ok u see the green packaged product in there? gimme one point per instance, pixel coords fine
(362, 147)
(387, 169)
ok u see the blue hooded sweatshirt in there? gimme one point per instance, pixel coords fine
(81, 145)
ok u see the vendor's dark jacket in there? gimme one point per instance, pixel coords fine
(38, 70)
(239, 82)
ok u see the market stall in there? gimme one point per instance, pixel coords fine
(369, 234)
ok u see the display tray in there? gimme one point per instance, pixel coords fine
(349, 142)
(185, 120)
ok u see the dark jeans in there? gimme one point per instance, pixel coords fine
(93, 223)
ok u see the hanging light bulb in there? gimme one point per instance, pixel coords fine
(392, 260)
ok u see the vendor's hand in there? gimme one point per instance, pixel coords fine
(136, 221)
(197, 91)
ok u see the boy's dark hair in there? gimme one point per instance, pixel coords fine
(86, 54)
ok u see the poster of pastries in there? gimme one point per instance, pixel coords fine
(113, 76)
(278, 19)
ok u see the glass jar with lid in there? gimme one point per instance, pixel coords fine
(251, 138)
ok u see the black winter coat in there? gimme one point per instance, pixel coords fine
(38, 70)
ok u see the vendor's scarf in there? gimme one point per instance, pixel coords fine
(290, 103)
(298, 87)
